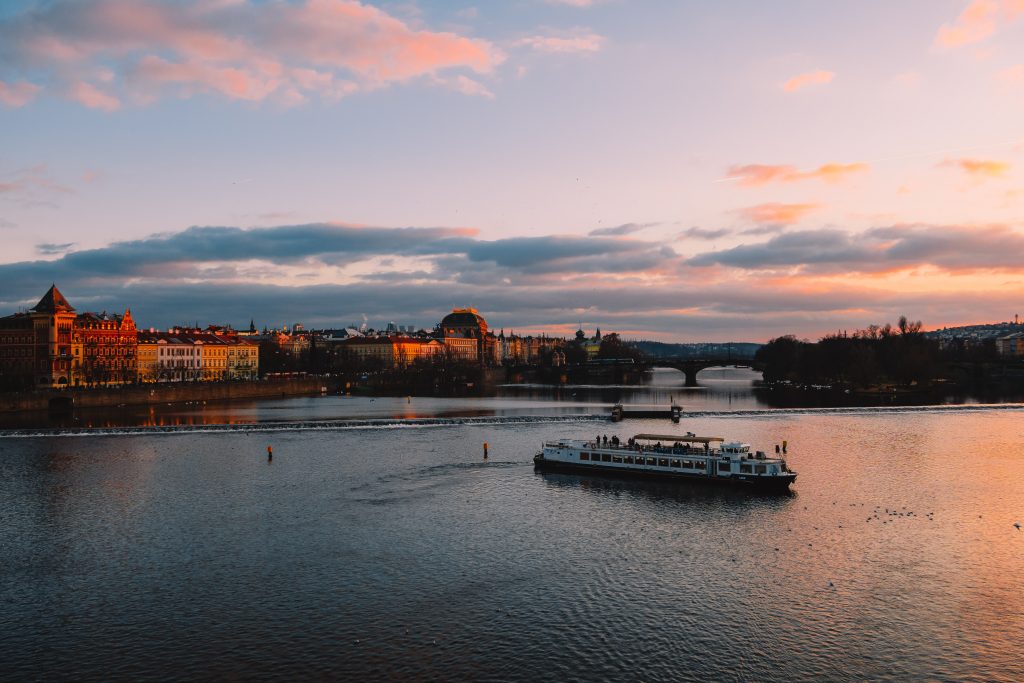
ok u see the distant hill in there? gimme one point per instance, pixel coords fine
(976, 332)
(737, 350)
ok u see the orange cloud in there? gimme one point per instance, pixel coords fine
(239, 49)
(754, 175)
(979, 168)
(776, 213)
(979, 20)
(1011, 75)
(17, 94)
(811, 78)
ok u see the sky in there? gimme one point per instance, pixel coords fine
(671, 170)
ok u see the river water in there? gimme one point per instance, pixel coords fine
(379, 544)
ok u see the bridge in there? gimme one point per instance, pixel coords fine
(691, 366)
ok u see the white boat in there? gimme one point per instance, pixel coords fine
(700, 458)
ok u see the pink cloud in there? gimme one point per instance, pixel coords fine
(979, 20)
(755, 175)
(17, 94)
(819, 77)
(467, 86)
(239, 49)
(89, 95)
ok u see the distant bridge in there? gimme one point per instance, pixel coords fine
(691, 366)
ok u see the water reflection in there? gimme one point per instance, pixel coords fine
(679, 491)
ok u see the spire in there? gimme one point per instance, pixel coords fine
(53, 302)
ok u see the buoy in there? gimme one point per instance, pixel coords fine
(485, 450)
(408, 399)
(270, 452)
(784, 444)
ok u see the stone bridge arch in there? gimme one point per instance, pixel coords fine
(690, 367)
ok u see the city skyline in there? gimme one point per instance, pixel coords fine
(672, 171)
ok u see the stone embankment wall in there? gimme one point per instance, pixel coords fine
(159, 393)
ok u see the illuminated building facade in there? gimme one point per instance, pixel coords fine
(36, 347)
(106, 347)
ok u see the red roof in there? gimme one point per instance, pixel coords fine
(53, 302)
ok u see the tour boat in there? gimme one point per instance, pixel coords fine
(700, 458)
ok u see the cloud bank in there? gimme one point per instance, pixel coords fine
(326, 274)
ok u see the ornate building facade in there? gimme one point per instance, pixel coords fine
(106, 349)
(37, 346)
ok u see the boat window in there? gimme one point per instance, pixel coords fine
(652, 461)
(723, 466)
(584, 456)
(745, 468)
(606, 457)
(676, 463)
(629, 459)
(663, 462)
(617, 459)
(759, 469)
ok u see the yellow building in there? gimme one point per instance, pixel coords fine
(243, 359)
(215, 357)
(149, 357)
(408, 350)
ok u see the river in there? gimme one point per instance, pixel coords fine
(379, 544)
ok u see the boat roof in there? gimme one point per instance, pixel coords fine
(678, 437)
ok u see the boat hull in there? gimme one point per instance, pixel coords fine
(775, 483)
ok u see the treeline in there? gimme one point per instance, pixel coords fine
(900, 355)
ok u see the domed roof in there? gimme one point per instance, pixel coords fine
(464, 319)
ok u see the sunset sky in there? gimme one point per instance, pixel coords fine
(673, 170)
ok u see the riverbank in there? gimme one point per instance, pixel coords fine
(147, 394)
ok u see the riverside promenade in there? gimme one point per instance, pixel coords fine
(143, 394)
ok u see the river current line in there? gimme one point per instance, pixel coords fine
(420, 423)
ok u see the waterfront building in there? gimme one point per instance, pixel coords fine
(1011, 345)
(106, 349)
(463, 347)
(214, 367)
(464, 335)
(392, 352)
(148, 354)
(36, 346)
(189, 355)
(243, 359)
